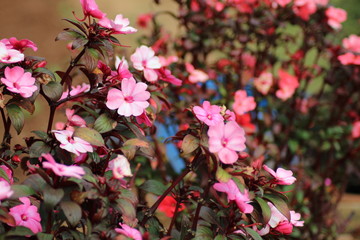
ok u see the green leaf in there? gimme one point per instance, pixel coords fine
(136, 142)
(36, 182)
(203, 233)
(53, 90)
(52, 196)
(45, 236)
(279, 203)
(16, 117)
(41, 134)
(154, 187)
(222, 175)
(89, 135)
(72, 212)
(104, 123)
(265, 209)
(189, 144)
(38, 148)
(253, 234)
(127, 209)
(19, 231)
(4, 175)
(208, 215)
(47, 72)
(220, 237)
(21, 191)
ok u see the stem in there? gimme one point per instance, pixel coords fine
(51, 118)
(153, 208)
(178, 202)
(72, 65)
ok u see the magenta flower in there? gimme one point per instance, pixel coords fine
(19, 81)
(118, 26)
(90, 8)
(335, 17)
(225, 140)
(10, 55)
(208, 114)
(130, 100)
(165, 75)
(243, 103)
(20, 45)
(26, 215)
(304, 8)
(120, 167)
(122, 68)
(5, 190)
(72, 144)
(144, 59)
(282, 176)
(129, 232)
(233, 193)
(143, 118)
(61, 169)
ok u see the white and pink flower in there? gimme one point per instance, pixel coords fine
(120, 167)
(61, 169)
(118, 26)
(144, 59)
(70, 143)
(208, 114)
(282, 176)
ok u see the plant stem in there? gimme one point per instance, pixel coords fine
(72, 65)
(178, 202)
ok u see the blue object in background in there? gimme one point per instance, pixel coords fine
(165, 130)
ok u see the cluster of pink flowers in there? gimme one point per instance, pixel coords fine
(11, 50)
(352, 45)
(287, 84)
(243, 103)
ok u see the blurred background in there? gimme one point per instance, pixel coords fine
(40, 21)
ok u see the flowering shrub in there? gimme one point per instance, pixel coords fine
(103, 173)
(291, 87)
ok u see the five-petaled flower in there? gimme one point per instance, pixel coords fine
(225, 140)
(26, 215)
(209, 114)
(144, 59)
(90, 8)
(9, 55)
(129, 232)
(120, 167)
(118, 26)
(70, 143)
(131, 100)
(61, 169)
(19, 81)
(243, 103)
(282, 176)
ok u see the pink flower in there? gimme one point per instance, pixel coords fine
(283, 3)
(72, 144)
(243, 103)
(144, 19)
(304, 8)
(73, 119)
(165, 75)
(26, 215)
(208, 114)
(143, 118)
(233, 193)
(294, 219)
(9, 174)
(122, 68)
(349, 58)
(355, 132)
(335, 17)
(118, 26)
(284, 227)
(264, 82)
(144, 59)
(75, 91)
(120, 167)
(129, 232)
(287, 84)
(61, 169)
(166, 61)
(225, 140)
(352, 43)
(276, 216)
(229, 116)
(5, 190)
(90, 8)
(10, 55)
(19, 81)
(282, 176)
(195, 74)
(131, 100)
(20, 45)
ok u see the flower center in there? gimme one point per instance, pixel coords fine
(24, 217)
(224, 142)
(209, 117)
(16, 85)
(129, 99)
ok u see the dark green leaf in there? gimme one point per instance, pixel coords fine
(253, 234)
(38, 148)
(53, 90)
(45, 236)
(265, 209)
(154, 187)
(204, 233)
(19, 231)
(52, 196)
(41, 134)
(16, 117)
(279, 203)
(189, 144)
(36, 182)
(104, 123)
(127, 209)
(89, 135)
(72, 212)
(21, 191)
